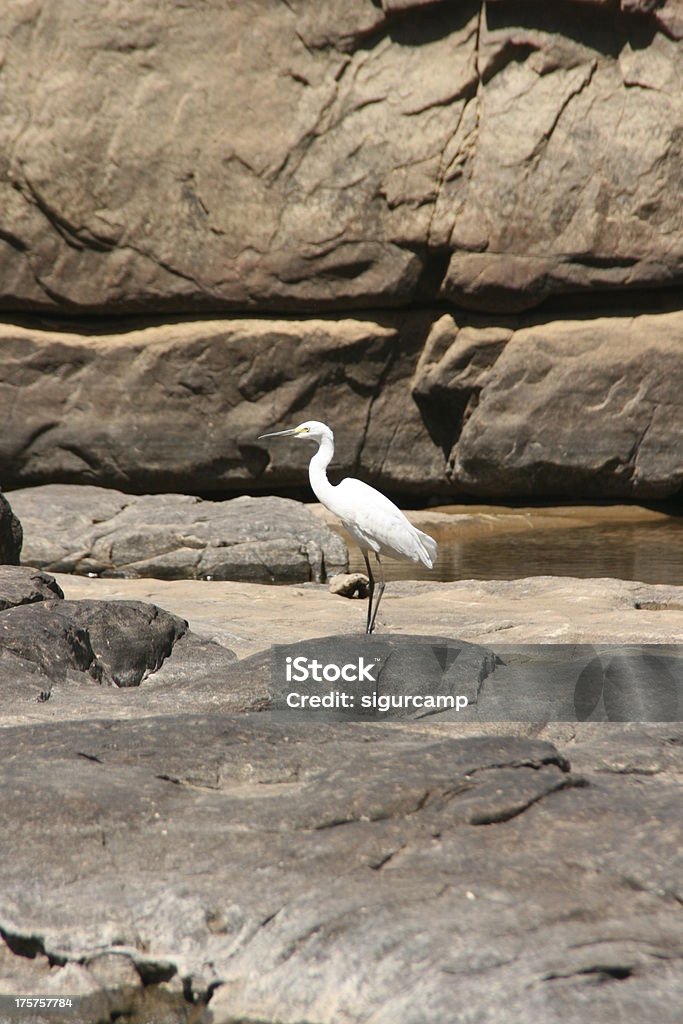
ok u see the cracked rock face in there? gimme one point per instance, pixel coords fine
(90, 530)
(489, 155)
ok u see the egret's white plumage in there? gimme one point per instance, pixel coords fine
(375, 523)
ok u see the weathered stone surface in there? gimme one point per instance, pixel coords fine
(589, 407)
(10, 534)
(226, 857)
(49, 662)
(90, 530)
(421, 403)
(488, 154)
(406, 675)
(202, 855)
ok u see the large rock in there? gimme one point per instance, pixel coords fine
(203, 156)
(340, 873)
(585, 407)
(11, 534)
(419, 403)
(109, 642)
(90, 530)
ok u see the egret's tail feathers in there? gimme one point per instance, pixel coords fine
(429, 549)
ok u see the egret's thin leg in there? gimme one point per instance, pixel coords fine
(379, 596)
(371, 591)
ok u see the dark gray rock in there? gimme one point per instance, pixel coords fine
(202, 675)
(111, 642)
(90, 530)
(20, 585)
(83, 659)
(11, 534)
(229, 857)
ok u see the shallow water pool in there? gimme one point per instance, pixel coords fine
(488, 542)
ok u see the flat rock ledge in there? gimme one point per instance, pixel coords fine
(89, 658)
(537, 610)
(99, 532)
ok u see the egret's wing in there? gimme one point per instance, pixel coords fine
(379, 525)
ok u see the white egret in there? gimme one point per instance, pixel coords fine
(375, 523)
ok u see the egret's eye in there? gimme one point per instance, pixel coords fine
(305, 430)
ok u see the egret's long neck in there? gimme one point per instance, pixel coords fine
(317, 471)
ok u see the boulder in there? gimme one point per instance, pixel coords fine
(91, 658)
(485, 155)
(111, 642)
(93, 531)
(11, 534)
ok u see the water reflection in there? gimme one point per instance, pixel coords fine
(511, 545)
